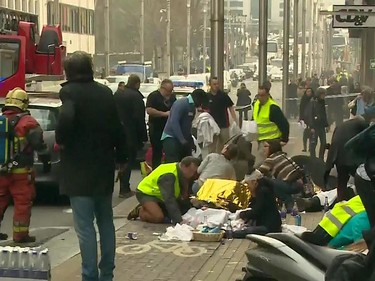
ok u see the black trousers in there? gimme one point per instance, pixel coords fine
(174, 150)
(125, 177)
(320, 133)
(366, 190)
(157, 146)
(306, 136)
(343, 175)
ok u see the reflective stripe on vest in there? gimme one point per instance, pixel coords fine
(149, 185)
(267, 130)
(341, 213)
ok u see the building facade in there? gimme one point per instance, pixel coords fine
(76, 18)
(236, 7)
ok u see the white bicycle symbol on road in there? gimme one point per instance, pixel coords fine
(182, 249)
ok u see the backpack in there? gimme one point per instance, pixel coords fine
(9, 146)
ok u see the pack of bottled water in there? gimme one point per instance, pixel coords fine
(26, 264)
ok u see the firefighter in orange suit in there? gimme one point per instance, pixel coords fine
(17, 175)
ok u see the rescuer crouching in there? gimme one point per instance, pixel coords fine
(22, 135)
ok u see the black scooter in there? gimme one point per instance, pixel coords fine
(286, 257)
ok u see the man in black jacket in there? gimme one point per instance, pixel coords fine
(318, 123)
(338, 156)
(131, 109)
(91, 140)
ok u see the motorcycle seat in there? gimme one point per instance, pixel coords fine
(321, 257)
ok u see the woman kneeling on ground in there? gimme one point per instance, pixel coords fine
(264, 216)
(286, 175)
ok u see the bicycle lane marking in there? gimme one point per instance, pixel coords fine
(181, 249)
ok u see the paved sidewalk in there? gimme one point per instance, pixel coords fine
(148, 259)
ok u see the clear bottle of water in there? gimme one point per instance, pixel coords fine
(295, 209)
(4, 262)
(283, 213)
(326, 205)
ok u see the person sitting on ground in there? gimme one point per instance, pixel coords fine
(160, 192)
(244, 161)
(216, 166)
(263, 217)
(316, 203)
(344, 221)
(286, 175)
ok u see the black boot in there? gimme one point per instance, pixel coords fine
(309, 204)
(25, 240)
(3, 236)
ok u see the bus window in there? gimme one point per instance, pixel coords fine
(9, 57)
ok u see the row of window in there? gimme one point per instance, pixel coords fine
(72, 18)
(30, 6)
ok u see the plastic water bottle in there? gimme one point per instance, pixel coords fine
(229, 231)
(283, 213)
(44, 260)
(295, 209)
(5, 255)
(326, 205)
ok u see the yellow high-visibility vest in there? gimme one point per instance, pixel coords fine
(341, 213)
(149, 185)
(267, 130)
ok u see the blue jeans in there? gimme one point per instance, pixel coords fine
(284, 191)
(85, 210)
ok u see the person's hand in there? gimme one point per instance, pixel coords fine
(166, 114)
(283, 143)
(121, 168)
(312, 131)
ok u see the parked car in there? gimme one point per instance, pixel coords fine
(45, 109)
(276, 74)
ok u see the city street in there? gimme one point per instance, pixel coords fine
(52, 222)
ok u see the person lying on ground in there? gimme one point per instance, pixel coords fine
(222, 194)
(286, 175)
(159, 193)
(334, 222)
(216, 166)
(316, 203)
(263, 217)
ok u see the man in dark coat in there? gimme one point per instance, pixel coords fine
(317, 123)
(131, 109)
(91, 140)
(338, 157)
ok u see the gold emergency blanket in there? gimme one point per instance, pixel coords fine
(225, 194)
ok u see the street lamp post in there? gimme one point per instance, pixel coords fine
(188, 48)
(311, 40)
(286, 21)
(295, 41)
(314, 38)
(217, 39)
(169, 38)
(263, 33)
(106, 36)
(303, 56)
(142, 35)
(205, 8)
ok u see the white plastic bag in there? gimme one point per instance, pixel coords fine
(198, 150)
(249, 127)
(234, 130)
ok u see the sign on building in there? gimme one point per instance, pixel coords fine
(355, 16)
(372, 64)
